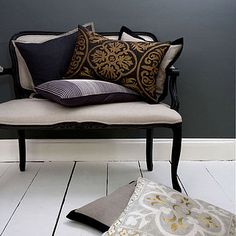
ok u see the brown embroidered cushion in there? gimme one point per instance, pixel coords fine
(134, 65)
(169, 59)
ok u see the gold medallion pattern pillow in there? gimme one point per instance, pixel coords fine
(134, 65)
(156, 210)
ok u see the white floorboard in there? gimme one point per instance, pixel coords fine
(121, 173)
(199, 184)
(3, 168)
(161, 173)
(30, 201)
(13, 185)
(38, 210)
(88, 184)
(224, 174)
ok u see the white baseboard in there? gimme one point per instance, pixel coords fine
(116, 149)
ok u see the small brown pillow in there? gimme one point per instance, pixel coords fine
(134, 65)
(102, 213)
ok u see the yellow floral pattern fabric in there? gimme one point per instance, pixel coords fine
(156, 210)
(134, 65)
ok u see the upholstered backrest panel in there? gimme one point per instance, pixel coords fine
(44, 38)
(145, 37)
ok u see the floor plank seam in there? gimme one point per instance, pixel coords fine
(181, 183)
(107, 181)
(17, 206)
(213, 177)
(4, 172)
(140, 169)
(63, 200)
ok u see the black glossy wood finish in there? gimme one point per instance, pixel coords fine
(6, 71)
(149, 149)
(22, 147)
(173, 89)
(176, 149)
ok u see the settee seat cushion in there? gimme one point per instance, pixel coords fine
(34, 111)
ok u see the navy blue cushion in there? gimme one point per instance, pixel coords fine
(49, 60)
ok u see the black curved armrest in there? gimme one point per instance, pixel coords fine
(5, 71)
(173, 73)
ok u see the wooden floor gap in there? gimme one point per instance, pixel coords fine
(21, 199)
(181, 183)
(212, 176)
(63, 200)
(140, 169)
(4, 172)
(107, 181)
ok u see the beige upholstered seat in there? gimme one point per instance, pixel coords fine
(43, 112)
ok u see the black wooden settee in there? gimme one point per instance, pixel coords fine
(16, 113)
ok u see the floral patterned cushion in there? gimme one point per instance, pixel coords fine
(134, 65)
(155, 209)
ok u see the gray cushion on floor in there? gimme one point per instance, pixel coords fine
(33, 111)
(101, 213)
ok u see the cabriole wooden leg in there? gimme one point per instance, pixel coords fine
(149, 149)
(22, 153)
(176, 149)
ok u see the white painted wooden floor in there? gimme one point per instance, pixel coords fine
(37, 201)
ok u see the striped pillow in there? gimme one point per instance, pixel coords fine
(79, 92)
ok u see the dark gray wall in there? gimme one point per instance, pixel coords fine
(207, 64)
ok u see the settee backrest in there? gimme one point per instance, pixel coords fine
(23, 83)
